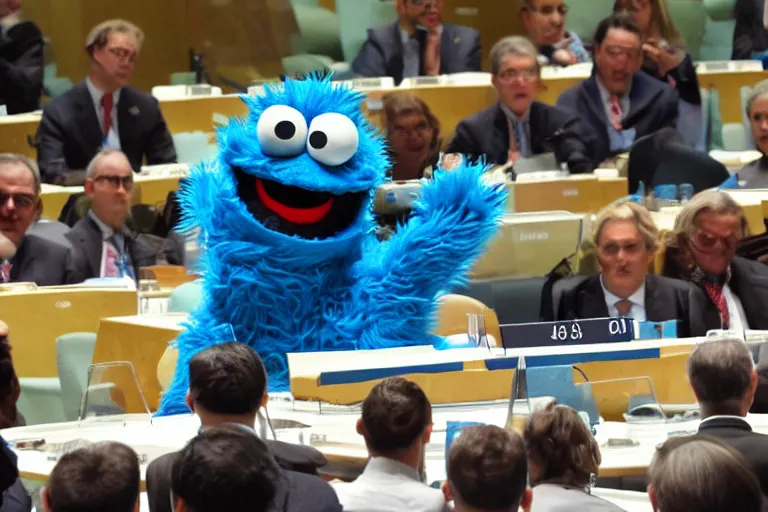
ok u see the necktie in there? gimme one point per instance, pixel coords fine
(514, 149)
(624, 307)
(106, 102)
(112, 267)
(715, 292)
(616, 113)
(5, 271)
(432, 55)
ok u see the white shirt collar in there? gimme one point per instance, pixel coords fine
(511, 115)
(9, 21)
(637, 298)
(97, 94)
(723, 416)
(606, 95)
(106, 231)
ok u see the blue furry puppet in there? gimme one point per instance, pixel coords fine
(290, 259)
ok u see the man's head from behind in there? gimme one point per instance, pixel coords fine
(224, 468)
(722, 375)
(618, 53)
(102, 477)
(227, 383)
(20, 201)
(427, 13)
(488, 471)
(109, 181)
(396, 418)
(113, 47)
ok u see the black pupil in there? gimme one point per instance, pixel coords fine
(285, 130)
(318, 140)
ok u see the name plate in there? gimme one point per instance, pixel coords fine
(200, 90)
(571, 332)
(426, 80)
(367, 83)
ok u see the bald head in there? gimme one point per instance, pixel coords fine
(109, 181)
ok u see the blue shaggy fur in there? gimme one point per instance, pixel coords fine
(281, 293)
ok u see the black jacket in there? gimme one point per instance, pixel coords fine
(749, 34)
(552, 131)
(684, 76)
(21, 68)
(44, 263)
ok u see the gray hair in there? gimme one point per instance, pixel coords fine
(16, 159)
(99, 35)
(715, 201)
(760, 89)
(720, 371)
(95, 162)
(517, 46)
(631, 212)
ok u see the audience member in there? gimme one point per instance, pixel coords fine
(418, 44)
(722, 375)
(413, 135)
(103, 111)
(755, 174)
(102, 477)
(563, 458)
(618, 102)
(9, 472)
(227, 386)
(544, 21)
(702, 249)
(701, 474)
(103, 245)
(487, 471)
(21, 60)
(518, 126)
(396, 424)
(36, 259)
(226, 468)
(626, 239)
(750, 38)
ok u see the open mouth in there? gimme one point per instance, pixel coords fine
(297, 211)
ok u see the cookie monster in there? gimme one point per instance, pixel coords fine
(290, 260)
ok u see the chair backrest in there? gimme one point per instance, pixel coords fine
(452, 316)
(356, 17)
(52, 230)
(645, 156)
(185, 298)
(690, 17)
(74, 354)
(720, 10)
(681, 164)
(584, 15)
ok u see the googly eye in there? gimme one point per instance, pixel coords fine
(282, 131)
(333, 139)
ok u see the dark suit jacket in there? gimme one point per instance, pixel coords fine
(382, 53)
(684, 75)
(21, 68)
(70, 134)
(652, 106)
(737, 433)
(749, 35)
(43, 262)
(665, 299)
(87, 244)
(552, 131)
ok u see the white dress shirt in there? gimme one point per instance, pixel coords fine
(736, 314)
(112, 139)
(389, 486)
(637, 299)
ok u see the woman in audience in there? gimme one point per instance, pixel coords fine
(413, 134)
(701, 474)
(755, 174)
(563, 460)
(667, 60)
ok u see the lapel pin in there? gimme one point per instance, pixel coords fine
(134, 111)
(456, 40)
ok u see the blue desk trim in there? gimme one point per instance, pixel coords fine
(510, 363)
(354, 376)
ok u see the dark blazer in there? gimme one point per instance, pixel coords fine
(21, 68)
(382, 53)
(665, 299)
(737, 433)
(43, 262)
(552, 131)
(749, 35)
(684, 75)
(652, 106)
(70, 135)
(87, 244)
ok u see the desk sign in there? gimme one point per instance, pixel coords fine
(571, 332)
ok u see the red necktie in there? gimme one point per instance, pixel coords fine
(616, 114)
(715, 293)
(106, 102)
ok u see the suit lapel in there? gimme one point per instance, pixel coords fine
(88, 122)
(654, 300)
(747, 288)
(127, 120)
(92, 244)
(447, 44)
(639, 98)
(500, 136)
(591, 300)
(395, 64)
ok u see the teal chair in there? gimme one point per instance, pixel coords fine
(185, 298)
(74, 354)
(584, 15)
(40, 401)
(356, 17)
(690, 17)
(718, 37)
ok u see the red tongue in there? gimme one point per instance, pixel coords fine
(295, 215)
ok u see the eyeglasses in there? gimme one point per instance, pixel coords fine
(403, 131)
(21, 201)
(705, 241)
(526, 75)
(123, 54)
(116, 181)
(618, 51)
(613, 249)
(549, 10)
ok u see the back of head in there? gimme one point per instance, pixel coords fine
(560, 448)
(225, 468)
(103, 477)
(721, 374)
(395, 414)
(228, 378)
(487, 469)
(702, 474)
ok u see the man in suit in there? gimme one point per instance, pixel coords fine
(518, 126)
(227, 386)
(396, 424)
(626, 239)
(21, 60)
(103, 111)
(619, 103)
(28, 257)
(418, 44)
(544, 21)
(102, 243)
(750, 37)
(723, 377)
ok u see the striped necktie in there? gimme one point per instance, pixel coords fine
(616, 114)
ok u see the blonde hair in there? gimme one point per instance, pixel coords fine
(660, 19)
(714, 201)
(631, 212)
(99, 35)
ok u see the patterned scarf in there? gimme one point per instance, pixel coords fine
(714, 285)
